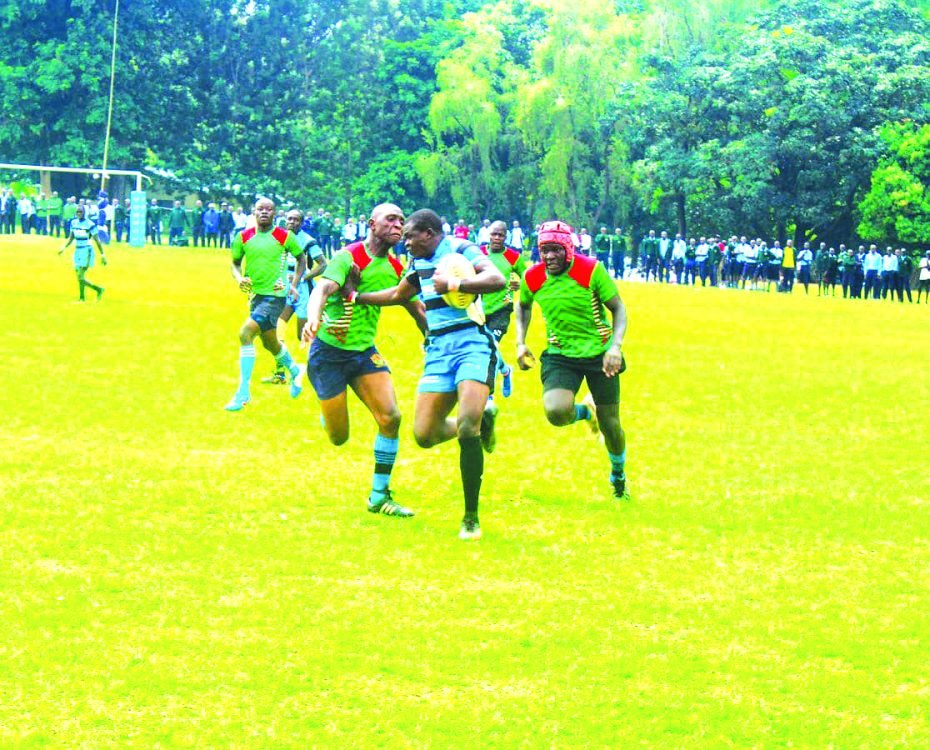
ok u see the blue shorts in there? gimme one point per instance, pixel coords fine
(331, 369)
(84, 257)
(265, 309)
(300, 304)
(466, 354)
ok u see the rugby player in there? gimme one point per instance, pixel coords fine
(264, 250)
(572, 292)
(343, 353)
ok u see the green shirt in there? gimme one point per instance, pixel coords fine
(507, 262)
(576, 325)
(265, 258)
(42, 207)
(68, 212)
(55, 205)
(602, 243)
(178, 218)
(344, 324)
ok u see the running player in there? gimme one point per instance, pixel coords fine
(461, 355)
(294, 220)
(572, 291)
(343, 351)
(265, 249)
(498, 306)
(81, 232)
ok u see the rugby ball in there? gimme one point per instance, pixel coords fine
(458, 266)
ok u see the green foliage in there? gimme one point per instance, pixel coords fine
(897, 205)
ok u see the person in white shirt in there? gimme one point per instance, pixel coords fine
(586, 241)
(923, 278)
(889, 274)
(27, 214)
(484, 233)
(805, 259)
(872, 265)
(350, 231)
(240, 220)
(516, 236)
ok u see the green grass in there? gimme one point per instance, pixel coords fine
(172, 575)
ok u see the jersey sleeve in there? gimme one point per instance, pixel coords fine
(292, 245)
(519, 267)
(602, 284)
(338, 268)
(314, 251)
(472, 253)
(237, 249)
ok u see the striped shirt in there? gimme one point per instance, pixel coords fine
(439, 314)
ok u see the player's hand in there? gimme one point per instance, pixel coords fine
(525, 358)
(309, 332)
(293, 293)
(514, 284)
(279, 285)
(245, 284)
(440, 282)
(613, 361)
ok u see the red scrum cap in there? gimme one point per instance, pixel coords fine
(557, 233)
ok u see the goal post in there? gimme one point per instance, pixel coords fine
(137, 201)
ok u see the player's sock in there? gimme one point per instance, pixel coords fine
(506, 377)
(582, 413)
(385, 456)
(246, 365)
(283, 359)
(617, 464)
(471, 464)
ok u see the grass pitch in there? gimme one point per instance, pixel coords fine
(172, 575)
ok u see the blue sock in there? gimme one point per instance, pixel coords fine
(284, 358)
(246, 365)
(617, 464)
(582, 413)
(385, 455)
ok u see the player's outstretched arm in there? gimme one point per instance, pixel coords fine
(525, 359)
(396, 295)
(321, 292)
(613, 357)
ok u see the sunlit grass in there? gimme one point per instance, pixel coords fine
(174, 575)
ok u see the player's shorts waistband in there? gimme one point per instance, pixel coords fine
(455, 327)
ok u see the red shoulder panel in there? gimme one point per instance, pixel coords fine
(359, 256)
(582, 269)
(396, 265)
(535, 277)
(248, 234)
(484, 249)
(280, 234)
(511, 255)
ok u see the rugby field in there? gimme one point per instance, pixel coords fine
(172, 575)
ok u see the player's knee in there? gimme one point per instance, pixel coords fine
(424, 439)
(559, 417)
(338, 437)
(389, 422)
(468, 426)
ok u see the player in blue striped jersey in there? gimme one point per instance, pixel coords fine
(82, 232)
(461, 354)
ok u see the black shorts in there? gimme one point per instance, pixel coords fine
(331, 369)
(558, 371)
(265, 309)
(499, 321)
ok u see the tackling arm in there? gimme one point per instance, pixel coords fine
(396, 295)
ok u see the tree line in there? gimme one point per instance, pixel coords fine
(783, 118)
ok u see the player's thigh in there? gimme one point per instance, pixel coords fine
(270, 340)
(561, 381)
(376, 391)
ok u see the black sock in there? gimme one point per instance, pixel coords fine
(471, 464)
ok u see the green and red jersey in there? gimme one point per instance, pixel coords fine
(344, 324)
(265, 256)
(572, 304)
(507, 261)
